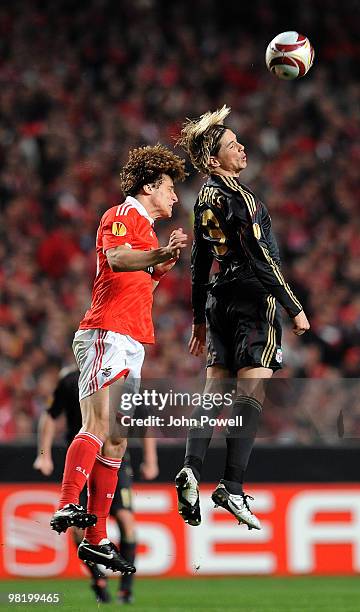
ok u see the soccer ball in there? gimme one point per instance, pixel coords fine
(289, 55)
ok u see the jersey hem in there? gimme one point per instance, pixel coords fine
(124, 332)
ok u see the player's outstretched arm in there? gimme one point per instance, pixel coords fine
(124, 259)
(46, 433)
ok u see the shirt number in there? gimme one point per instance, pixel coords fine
(212, 225)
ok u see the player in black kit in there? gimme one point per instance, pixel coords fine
(66, 401)
(238, 312)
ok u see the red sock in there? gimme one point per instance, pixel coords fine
(102, 485)
(80, 459)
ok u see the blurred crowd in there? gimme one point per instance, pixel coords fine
(80, 85)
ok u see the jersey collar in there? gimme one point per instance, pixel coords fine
(140, 208)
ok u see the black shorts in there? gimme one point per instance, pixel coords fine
(123, 493)
(243, 328)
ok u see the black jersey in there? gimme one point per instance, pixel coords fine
(233, 226)
(66, 401)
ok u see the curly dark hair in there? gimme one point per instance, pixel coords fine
(147, 165)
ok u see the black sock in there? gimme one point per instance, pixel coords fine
(240, 441)
(199, 436)
(127, 550)
(197, 442)
(193, 462)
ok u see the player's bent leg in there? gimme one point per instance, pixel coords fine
(197, 443)
(103, 481)
(96, 548)
(102, 484)
(248, 406)
(198, 438)
(80, 459)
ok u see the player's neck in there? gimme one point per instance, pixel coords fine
(222, 172)
(144, 200)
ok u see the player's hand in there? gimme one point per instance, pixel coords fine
(44, 464)
(177, 241)
(300, 324)
(149, 470)
(198, 339)
(163, 268)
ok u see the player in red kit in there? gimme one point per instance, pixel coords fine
(108, 345)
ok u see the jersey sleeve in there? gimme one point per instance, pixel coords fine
(117, 230)
(59, 399)
(247, 213)
(201, 261)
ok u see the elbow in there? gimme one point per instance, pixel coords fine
(112, 265)
(116, 265)
(118, 259)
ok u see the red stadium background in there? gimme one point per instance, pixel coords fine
(307, 529)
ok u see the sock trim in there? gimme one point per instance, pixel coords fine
(245, 399)
(87, 434)
(109, 461)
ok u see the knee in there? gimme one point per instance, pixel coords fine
(117, 441)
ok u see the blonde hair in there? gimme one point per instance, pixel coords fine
(200, 137)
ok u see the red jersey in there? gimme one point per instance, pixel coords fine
(122, 301)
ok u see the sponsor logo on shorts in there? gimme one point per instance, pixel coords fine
(118, 229)
(279, 355)
(106, 372)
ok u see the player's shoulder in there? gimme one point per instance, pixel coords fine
(125, 209)
(229, 187)
(240, 196)
(211, 194)
(215, 183)
(248, 190)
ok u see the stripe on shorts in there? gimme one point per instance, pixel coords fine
(268, 351)
(99, 353)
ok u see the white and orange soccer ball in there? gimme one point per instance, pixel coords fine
(290, 55)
